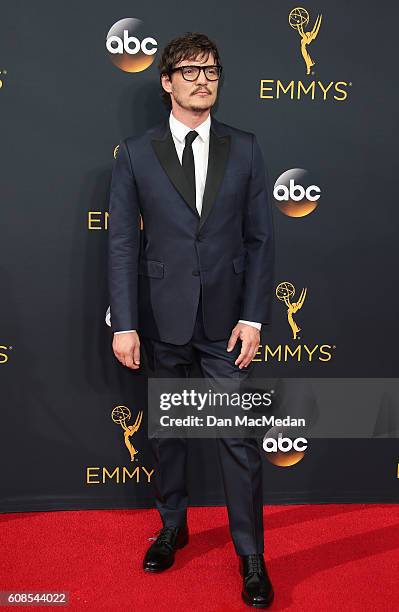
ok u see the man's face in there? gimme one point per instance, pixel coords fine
(198, 95)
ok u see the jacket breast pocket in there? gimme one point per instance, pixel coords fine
(150, 267)
(239, 263)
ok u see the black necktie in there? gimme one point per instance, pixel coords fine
(188, 161)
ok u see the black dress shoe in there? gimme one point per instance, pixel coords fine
(257, 590)
(161, 554)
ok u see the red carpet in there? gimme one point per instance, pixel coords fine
(320, 557)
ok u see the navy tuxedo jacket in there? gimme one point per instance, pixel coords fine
(155, 273)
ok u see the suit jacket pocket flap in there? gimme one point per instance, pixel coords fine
(239, 263)
(149, 267)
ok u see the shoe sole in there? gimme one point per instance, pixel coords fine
(153, 570)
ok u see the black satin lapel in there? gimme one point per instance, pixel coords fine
(219, 148)
(166, 152)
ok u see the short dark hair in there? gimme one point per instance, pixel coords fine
(184, 47)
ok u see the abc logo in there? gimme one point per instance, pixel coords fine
(284, 451)
(129, 48)
(291, 197)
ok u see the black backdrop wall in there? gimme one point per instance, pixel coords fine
(64, 107)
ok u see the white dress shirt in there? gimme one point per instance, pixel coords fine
(200, 152)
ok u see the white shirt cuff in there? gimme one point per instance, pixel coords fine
(257, 325)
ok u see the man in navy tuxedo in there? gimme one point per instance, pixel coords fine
(195, 282)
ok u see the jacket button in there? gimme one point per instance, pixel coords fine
(195, 272)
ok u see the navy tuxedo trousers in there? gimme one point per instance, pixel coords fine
(240, 458)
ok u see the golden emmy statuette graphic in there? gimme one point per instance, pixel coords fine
(284, 292)
(121, 414)
(298, 20)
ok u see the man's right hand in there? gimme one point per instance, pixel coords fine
(126, 349)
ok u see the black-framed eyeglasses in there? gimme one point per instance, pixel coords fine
(191, 73)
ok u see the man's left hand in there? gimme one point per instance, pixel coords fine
(250, 338)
